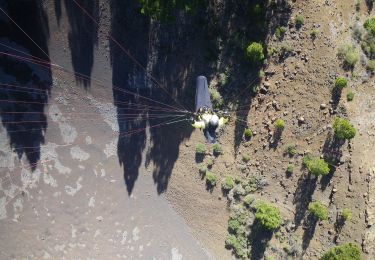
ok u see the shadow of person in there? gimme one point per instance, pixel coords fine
(25, 87)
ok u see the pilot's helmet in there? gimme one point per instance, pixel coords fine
(214, 121)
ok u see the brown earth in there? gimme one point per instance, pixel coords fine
(299, 86)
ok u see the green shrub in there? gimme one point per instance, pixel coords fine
(347, 251)
(347, 214)
(285, 50)
(223, 79)
(314, 33)
(280, 125)
(248, 133)
(245, 158)
(210, 163)
(238, 244)
(290, 168)
(348, 54)
(217, 149)
(291, 149)
(370, 65)
(227, 183)
(319, 210)
(370, 26)
(200, 149)
(203, 169)
(255, 53)
(343, 129)
(315, 165)
(300, 20)
(268, 215)
(248, 199)
(280, 31)
(216, 98)
(350, 96)
(341, 82)
(211, 178)
(233, 225)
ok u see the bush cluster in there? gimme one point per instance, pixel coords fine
(255, 53)
(347, 214)
(341, 82)
(291, 150)
(350, 96)
(216, 148)
(268, 215)
(211, 178)
(347, 251)
(315, 165)
(227, 183)
(370, 26)
(248, 133)
(300, 20)
(319, 210)
(200, 149)
(279, 125)
(280, 31)
(216, 98)
(343, 129)
(348, 54)
(290, 169)
(245, 158)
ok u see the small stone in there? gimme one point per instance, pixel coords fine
(323, 106)
(301, 120)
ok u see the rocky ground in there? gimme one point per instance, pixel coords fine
(297, 89)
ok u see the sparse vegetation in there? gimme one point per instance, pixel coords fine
(227, 183)
(290, 169)
(316, 166)
(217, 150)
(248, 133)
(314, 33)
(347, 251)
(350, 96)
(211, 178)
(319, 210)
(268, 216)
(245, 158)
(370, 66)
(233, 225)
(248, 199)
(280, 31)
(217, 99)
(279, 125)
(291, 150)
(370, 26)
(255, 53)
(203, 170)
(348, 54)
(346, 214)
(300, 20)
(285, 50)
(210, 163)
(343, 129)
(200, 149)
(341, 82)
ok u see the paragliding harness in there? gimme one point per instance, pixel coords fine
(204, 117)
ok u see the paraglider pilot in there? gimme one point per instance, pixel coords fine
(204, 117)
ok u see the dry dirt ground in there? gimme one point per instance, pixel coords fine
(296, 87)
(74, 205)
